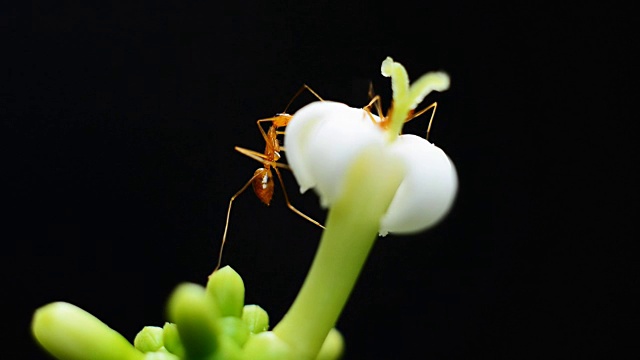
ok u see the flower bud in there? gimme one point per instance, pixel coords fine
(267, 346)
(229, 350)
(160, 355)
(235, 329)
(70, 333)
(196, 316)
(256, 318)
(171, 339)
(149, 339)
(227, 289)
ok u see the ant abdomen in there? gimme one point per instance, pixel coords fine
(263, 185)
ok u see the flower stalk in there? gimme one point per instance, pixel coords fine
(374, 181)
(351, 230)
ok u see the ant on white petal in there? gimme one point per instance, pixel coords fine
(384, 121)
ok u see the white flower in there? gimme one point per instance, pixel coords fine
(324, 138)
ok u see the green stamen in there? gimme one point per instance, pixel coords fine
(405, 97)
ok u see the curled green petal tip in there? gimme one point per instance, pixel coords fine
(387, 66)
(438, 81)
(405, 97)
(399, 78)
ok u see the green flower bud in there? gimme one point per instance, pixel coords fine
(196, 316)
(149, 339)
(171, 339)
(227, 288)
(160, 355)
(333, 346)
(229, 350)
(267, 346)
(256, 318)
(70, 333)
(235, 328)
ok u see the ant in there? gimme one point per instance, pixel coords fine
(262, 179)
(385, 120)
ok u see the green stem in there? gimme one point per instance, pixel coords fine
(351, 229)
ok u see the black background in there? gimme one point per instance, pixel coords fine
(118, 127)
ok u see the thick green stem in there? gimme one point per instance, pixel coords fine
(351, 229)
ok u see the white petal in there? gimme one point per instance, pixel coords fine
(428, 190)
(322, 141)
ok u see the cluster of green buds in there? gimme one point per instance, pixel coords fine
(206, 323)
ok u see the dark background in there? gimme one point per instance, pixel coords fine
(118, 128)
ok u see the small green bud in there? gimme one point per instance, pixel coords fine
(70, 333)
(149, 339)
(235, 329)
(227, 288)
(160, 356)
(196, 316)
(267, 346)
(229, 350)
(171, 339)
(256, 318)
(333, 346)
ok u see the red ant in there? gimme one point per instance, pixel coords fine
(262, 179)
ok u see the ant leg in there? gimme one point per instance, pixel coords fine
(433, 113)
(375, 100)
(260, 157)
(286, 199)
(300, 91)
(226, 225)
(273, 120)
(378, 101)
(282, 119)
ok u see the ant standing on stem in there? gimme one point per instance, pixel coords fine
(262, 179)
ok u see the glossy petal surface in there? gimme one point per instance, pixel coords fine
(324, 138)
